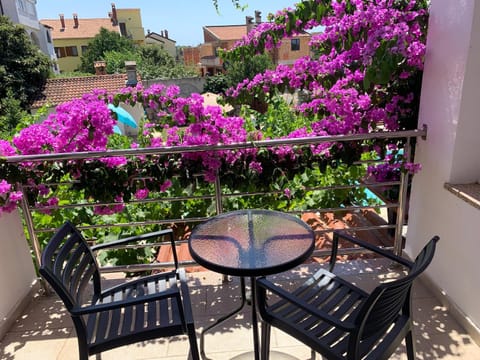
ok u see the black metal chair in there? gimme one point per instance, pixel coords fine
(143, 309)
(338, 319)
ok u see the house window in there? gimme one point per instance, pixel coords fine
(66, 51)
(295, 44)
(84, 49)
(26, 7)
(71, 50)
(60, 52)
(123, 29)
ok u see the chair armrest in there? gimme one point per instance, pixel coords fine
(136, 238)
(131, 283)
(262, 284)
(337, 234)
(170, 293)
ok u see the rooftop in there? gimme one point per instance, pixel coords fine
(46, 331)
(87, 28)
(60, 90)
(227, 32)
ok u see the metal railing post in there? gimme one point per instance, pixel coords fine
(402, 202)
(219, 207)
(218, 195)
(32, 235)
(27, 215)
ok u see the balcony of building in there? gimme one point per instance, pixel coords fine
(443, 200)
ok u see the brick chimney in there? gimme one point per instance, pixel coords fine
(100, 67)
(166, 34)
(114, 15)
(62, 22)
(131, 68)
(258, 17)
(249, 23)
(75, 20)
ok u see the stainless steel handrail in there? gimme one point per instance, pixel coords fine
(314, 140)
(218, 195)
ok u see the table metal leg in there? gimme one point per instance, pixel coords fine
(256, 343)
(223, 318)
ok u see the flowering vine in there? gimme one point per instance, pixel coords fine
(365, 76)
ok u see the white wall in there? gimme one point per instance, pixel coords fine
(17, 274)
(450, 106)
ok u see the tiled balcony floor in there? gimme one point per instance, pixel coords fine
(45, 331)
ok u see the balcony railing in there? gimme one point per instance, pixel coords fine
(217, 195)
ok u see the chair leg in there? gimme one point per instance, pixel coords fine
(83, 352)
(265, 341)
(312, 355)
(410, 345)
(192, 338)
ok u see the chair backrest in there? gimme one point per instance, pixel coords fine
(388, 300)
(70, 267)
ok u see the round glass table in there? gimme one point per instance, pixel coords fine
(250, 243)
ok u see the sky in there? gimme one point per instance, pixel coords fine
(183, 19)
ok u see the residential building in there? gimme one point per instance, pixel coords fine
(190, 55)
(60, 90)
(162, 40)
(225, 36)
(24, 12)
(71, 36)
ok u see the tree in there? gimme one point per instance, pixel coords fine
(103, 42)
(235, 3)
(116, 60)
(156, 63)
(23, 68)
(155, 55)
(239, 70)
(236, 71)
(11, 114)
(153, 62)
(216, 84)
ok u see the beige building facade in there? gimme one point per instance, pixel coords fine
(72, 35)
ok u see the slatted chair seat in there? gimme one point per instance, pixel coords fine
(338, 319)
(139, 310)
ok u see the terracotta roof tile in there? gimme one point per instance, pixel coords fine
(233, 32)
(60, 90)
(87, 28)
(228, 32)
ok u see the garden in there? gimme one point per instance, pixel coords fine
(363, 76)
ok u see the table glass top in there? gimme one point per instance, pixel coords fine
(251, 242)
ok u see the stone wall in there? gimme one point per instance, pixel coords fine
(187, 85)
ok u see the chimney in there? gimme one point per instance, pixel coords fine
(75, 20)
(258, 17)
(114, 15)
(131, 67)
(100, 67)
(161, 33)
(249, 23)
(166, 34)
(62, 21)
